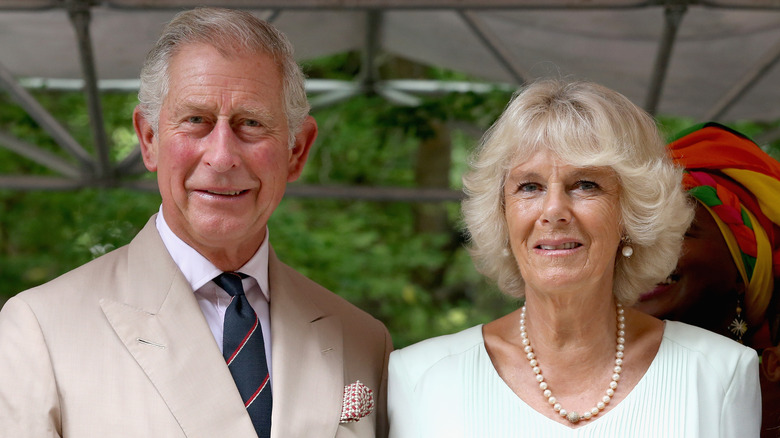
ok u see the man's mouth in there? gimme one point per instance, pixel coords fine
(225, 193)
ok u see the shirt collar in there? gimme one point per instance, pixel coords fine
(198, 270)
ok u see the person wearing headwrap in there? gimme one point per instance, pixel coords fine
(728, 276)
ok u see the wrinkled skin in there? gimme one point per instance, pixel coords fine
(222, 152)
(564, 226)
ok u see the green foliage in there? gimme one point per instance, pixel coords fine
(671, 126)
(341, 66)
(368, 253)
(70, 110)
(371, 253)
(45, 234)
(354, 146)
(420, 285)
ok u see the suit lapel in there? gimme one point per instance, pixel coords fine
(157, 317)
(307, 355)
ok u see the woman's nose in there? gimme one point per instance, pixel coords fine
(556, 207)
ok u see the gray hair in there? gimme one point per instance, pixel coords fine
(588, 125)
(229, 31)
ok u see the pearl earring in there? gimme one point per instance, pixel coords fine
(627, 249)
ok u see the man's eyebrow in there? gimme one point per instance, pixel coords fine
(255, 112)
(187, 106)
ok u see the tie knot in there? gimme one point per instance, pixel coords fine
(231, 282)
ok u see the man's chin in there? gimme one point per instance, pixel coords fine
(220, 232)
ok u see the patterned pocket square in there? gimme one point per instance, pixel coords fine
(358, 402)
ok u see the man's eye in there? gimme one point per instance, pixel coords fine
(251, 123)
(195, 119)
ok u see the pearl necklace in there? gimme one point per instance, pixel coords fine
(575, 417)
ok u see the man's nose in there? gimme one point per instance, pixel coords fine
(222, 149)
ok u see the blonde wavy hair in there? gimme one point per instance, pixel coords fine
(587, 125)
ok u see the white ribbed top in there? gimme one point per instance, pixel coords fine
(699, 385)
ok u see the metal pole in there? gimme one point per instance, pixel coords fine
(368, 69)
(673, 15)
(45, 119)
(40, 156)
(79, 13)
(491, 41)
(745, 83)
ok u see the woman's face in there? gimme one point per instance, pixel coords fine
(703, 288)
(564, 224)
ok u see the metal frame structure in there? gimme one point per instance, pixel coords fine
(85, 169)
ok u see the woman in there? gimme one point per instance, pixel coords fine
(727, 279)
(573, 205)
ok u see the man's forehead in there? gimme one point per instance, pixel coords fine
(195, 82)
(228, 52)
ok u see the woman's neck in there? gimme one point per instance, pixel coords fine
(582, 322)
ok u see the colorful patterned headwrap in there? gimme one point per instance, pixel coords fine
(740, 186)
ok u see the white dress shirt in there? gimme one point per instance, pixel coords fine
(213, 300)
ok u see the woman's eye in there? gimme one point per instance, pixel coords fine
(528, 187)
(587, 185)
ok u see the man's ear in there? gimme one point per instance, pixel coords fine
(147, 139)
(300, 152)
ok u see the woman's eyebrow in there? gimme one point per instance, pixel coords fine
(592, 172)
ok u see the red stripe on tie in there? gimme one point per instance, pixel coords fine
(259, 390)
(243, 342)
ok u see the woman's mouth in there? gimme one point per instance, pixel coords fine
(567, 245)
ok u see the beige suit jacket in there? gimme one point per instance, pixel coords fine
(120, 348)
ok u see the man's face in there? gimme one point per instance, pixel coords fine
(221, 151)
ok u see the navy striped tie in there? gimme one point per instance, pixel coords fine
(244, 351)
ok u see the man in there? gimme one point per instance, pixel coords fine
(142, 342)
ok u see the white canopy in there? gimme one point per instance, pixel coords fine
(706, 59)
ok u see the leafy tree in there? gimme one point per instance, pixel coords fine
(405, 263)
